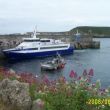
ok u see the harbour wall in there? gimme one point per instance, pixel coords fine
(85, 41)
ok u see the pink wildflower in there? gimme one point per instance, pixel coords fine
(46, 80)
(91, 72)
(62, 79)
(53, 82)
(88, 80)
(88, 88)
(40, 103)
(73, 74)
(102, 90)
(93, 85)
(102, 93)
(85, 72)
(53, 89)
(79, 78)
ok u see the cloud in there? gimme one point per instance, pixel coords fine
(52, 15)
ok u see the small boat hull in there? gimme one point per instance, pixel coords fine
(45, 67)
(56, 63)
(17, 55)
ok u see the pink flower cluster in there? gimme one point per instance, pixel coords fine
(45, 85)
(74, 74)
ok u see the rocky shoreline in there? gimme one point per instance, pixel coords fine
(14, 95)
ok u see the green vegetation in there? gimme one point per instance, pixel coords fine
(79, 93)
(97, 31)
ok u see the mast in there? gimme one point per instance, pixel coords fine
(34, 33)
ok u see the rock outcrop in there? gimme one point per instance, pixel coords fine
(14, 95)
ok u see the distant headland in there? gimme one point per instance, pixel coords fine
(97, 32)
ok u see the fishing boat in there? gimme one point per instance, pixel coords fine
(56, 63)
(35, 47)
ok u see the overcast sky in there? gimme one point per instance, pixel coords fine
(52, 15)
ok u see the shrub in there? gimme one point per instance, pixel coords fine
(78, 93)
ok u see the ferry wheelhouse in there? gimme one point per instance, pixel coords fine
(36, 47)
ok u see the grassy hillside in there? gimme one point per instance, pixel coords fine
(100, 31)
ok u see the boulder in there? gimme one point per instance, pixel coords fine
(14, 95)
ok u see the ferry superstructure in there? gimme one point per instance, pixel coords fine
(36, 47)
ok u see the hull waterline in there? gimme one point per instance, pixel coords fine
(17, 55)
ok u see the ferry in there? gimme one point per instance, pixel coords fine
(35, 47)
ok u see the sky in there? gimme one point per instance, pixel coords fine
(20, 16)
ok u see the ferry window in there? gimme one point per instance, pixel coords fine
(22, 48)
(45, 40)
(32, 49)
(53, 47)
(31, 40)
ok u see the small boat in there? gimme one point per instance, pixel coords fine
(56, 63)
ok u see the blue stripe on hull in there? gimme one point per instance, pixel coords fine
(13, 55)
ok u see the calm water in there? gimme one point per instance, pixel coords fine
(98, 59)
